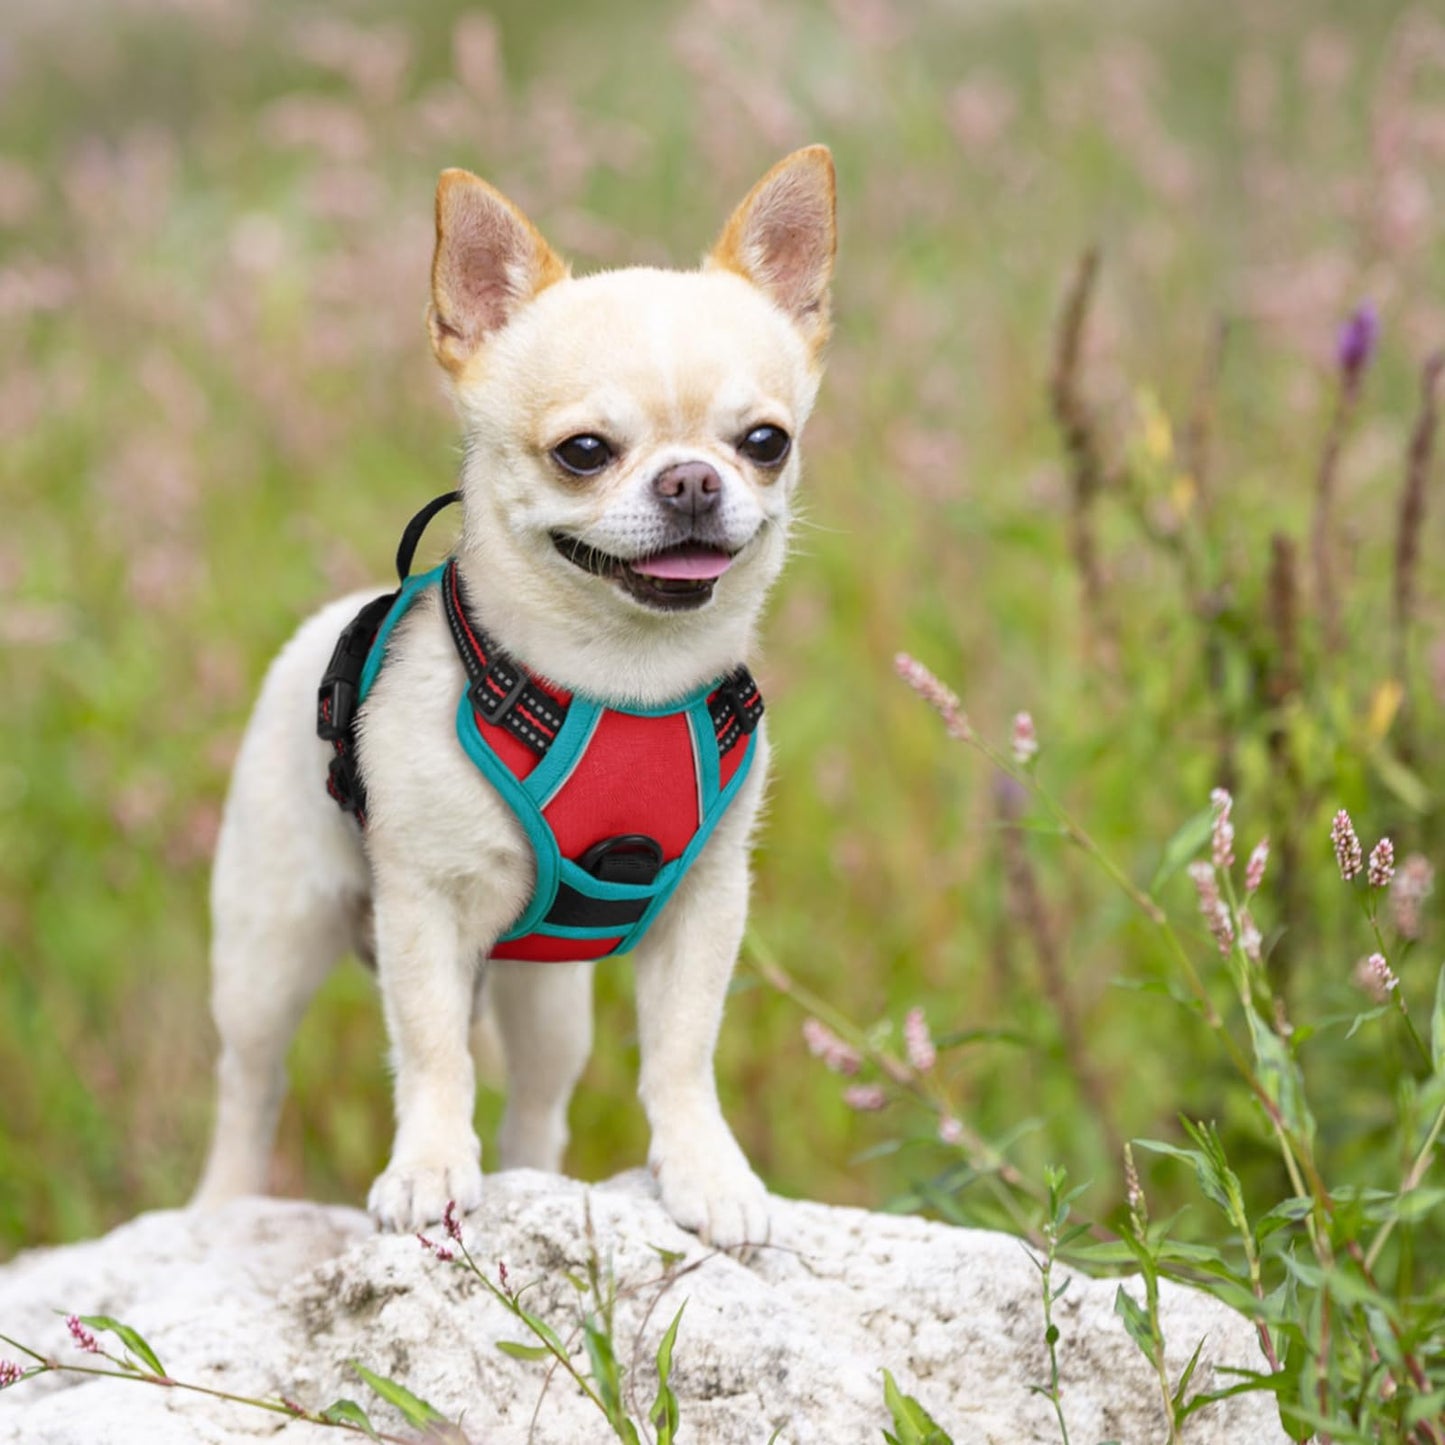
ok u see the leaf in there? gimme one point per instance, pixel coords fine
(519, 1351)
(130, 1338)
(1186, 842)
(669, 1257)
(1281, 1077)
(665, 1413)
(413, 1409)
(348, 1412)
(1136, 1322)
(1437, 1024)
(1181, 1392)
(1405, 784)
(914, 1424)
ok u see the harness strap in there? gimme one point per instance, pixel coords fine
(501, 690)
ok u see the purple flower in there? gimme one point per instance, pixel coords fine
(1212, 906)
(950, 1130)
(824, 1044)
(1357, 340)
(432, 1247)
(10, 1373)
(451, 1223)
(941, 698)
(1025, 739)
(1412, 885)
(1222, 842)
(1382, 864)
(82, 1336)
(1376, 977)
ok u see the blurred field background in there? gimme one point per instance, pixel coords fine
(218, 409)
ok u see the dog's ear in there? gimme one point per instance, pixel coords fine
(489, 261)
(783, 237)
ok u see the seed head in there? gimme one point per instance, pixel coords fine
(1382, 864)
(1348, 852)
(1254, 869)
(82, 1336)
(918, 1041)
(824, 1044)
(450, 1222)
(1025, 739)
(1134, 1193)
(865, 1098)
(10, 1373)
(1412, 885)
(942, 699)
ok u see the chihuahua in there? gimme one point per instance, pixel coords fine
(631, 456)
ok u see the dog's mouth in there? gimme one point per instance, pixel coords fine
(672, 580)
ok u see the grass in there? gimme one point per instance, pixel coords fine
(221, 410)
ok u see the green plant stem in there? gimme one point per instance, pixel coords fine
(1397, 993)
(1411, 1183)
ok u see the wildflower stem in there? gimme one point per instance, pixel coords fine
(1398, 993)
(1411, 1182)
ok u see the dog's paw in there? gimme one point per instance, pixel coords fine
(720, 1199)
(408, 1197)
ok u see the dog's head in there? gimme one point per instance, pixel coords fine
(632, 436)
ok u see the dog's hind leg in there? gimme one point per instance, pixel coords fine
(266, 969)
(544, 1015)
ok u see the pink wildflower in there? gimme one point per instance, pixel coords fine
(440, 1250)
(450, 1222)
(1348, 852)
(865, 1098)
(1382, 864)
(1376, 977)
(1223, 838)
(1249, 936)
(10, 1373)
(1134, 1192)
(1212, 906)
(1254, 869)
(950, 1130)
(824, 1044)
(1412, 885)
(502, 1274)
(82, 1336)
(942, 699)
(1025, 739)
(919, 1042)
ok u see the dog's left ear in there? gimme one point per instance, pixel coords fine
(783, 238)
(490, 260)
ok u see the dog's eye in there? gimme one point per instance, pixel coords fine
(766, 445)
(583, 456)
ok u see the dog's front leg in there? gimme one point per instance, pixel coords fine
(683, 967)
(426, 968)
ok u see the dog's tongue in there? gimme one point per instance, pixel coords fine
(691, 562)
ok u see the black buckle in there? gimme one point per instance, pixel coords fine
(337, 697)
(735, 690)
(631, 858)
(492, 707)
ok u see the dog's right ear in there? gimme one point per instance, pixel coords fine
(490, 260)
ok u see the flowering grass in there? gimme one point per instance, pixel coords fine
(1175, 500)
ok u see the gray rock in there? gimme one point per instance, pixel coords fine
(275, 1297)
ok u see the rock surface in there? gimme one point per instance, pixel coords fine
(272, 1297)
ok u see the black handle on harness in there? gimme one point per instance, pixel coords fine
(411, 538)
(630, 858)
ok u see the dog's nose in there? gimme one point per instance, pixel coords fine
(691, 487)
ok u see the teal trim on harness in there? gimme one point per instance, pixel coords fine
(527, 797)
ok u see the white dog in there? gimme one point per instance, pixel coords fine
(557, 752)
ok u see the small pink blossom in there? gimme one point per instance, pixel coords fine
(865, 1098)
(1348, 852)
(502, 1274)
(950, 1130)
(82, 1336)
(1223, 836)
(432, 1247)
(1249, 936)
(1382, 864)
(1025, 739)
(824, 1044)
(1254, 869)
(918, 1041)
(450, 1222)
(1212, 906)
(10, 1373)
(941, 698)
(1412, 885)
(1376, 977)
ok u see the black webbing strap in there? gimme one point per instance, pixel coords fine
(411, 538)
(501, 691)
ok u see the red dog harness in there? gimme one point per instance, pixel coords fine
(616, 802)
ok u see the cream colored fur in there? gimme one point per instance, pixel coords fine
(670, 367)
